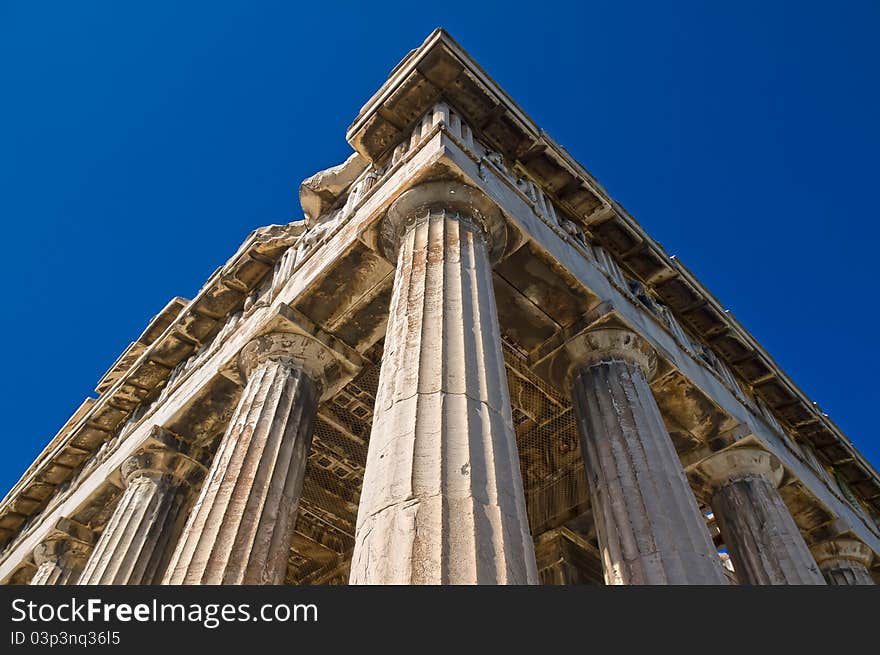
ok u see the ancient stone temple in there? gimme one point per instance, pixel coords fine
(467, 364)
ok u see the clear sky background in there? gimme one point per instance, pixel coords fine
(139, 145)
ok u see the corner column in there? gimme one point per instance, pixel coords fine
(764, 542)
(442, 499)
(240, 529)
(134, 544)
(844, 562)
(647, 520)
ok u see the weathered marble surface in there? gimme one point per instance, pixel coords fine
(133, 545)
(240, 529)
(649, 526)
(442, 500)
(764, 542)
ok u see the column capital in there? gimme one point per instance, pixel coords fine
(158, 462)
(452, 198)
(610, 344)
(62, 554)
(736, 463)
(298, 350)
(58, 548)
(842, 548)
(49, 550)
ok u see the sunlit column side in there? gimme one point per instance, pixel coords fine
(240, 529)
(442, 499)
(133, 546)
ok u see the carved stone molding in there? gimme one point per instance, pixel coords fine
(58, 548)
(157, 463)
(298, 350)
(842, 549)
(737, 463)
(610, 344)
(471, 206)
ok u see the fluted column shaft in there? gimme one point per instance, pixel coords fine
(764, 542)
(648, 523)
(844, 562)
(241, 526)
(133, 546)
(442, 499)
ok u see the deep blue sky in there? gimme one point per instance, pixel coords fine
(140, 145)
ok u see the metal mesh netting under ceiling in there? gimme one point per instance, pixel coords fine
(552, 470)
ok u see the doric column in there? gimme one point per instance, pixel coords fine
(844, 561)
(240, 528)
(763, 540)
(442, 499)
(133, 546)
(61, 556)
(648, 523)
